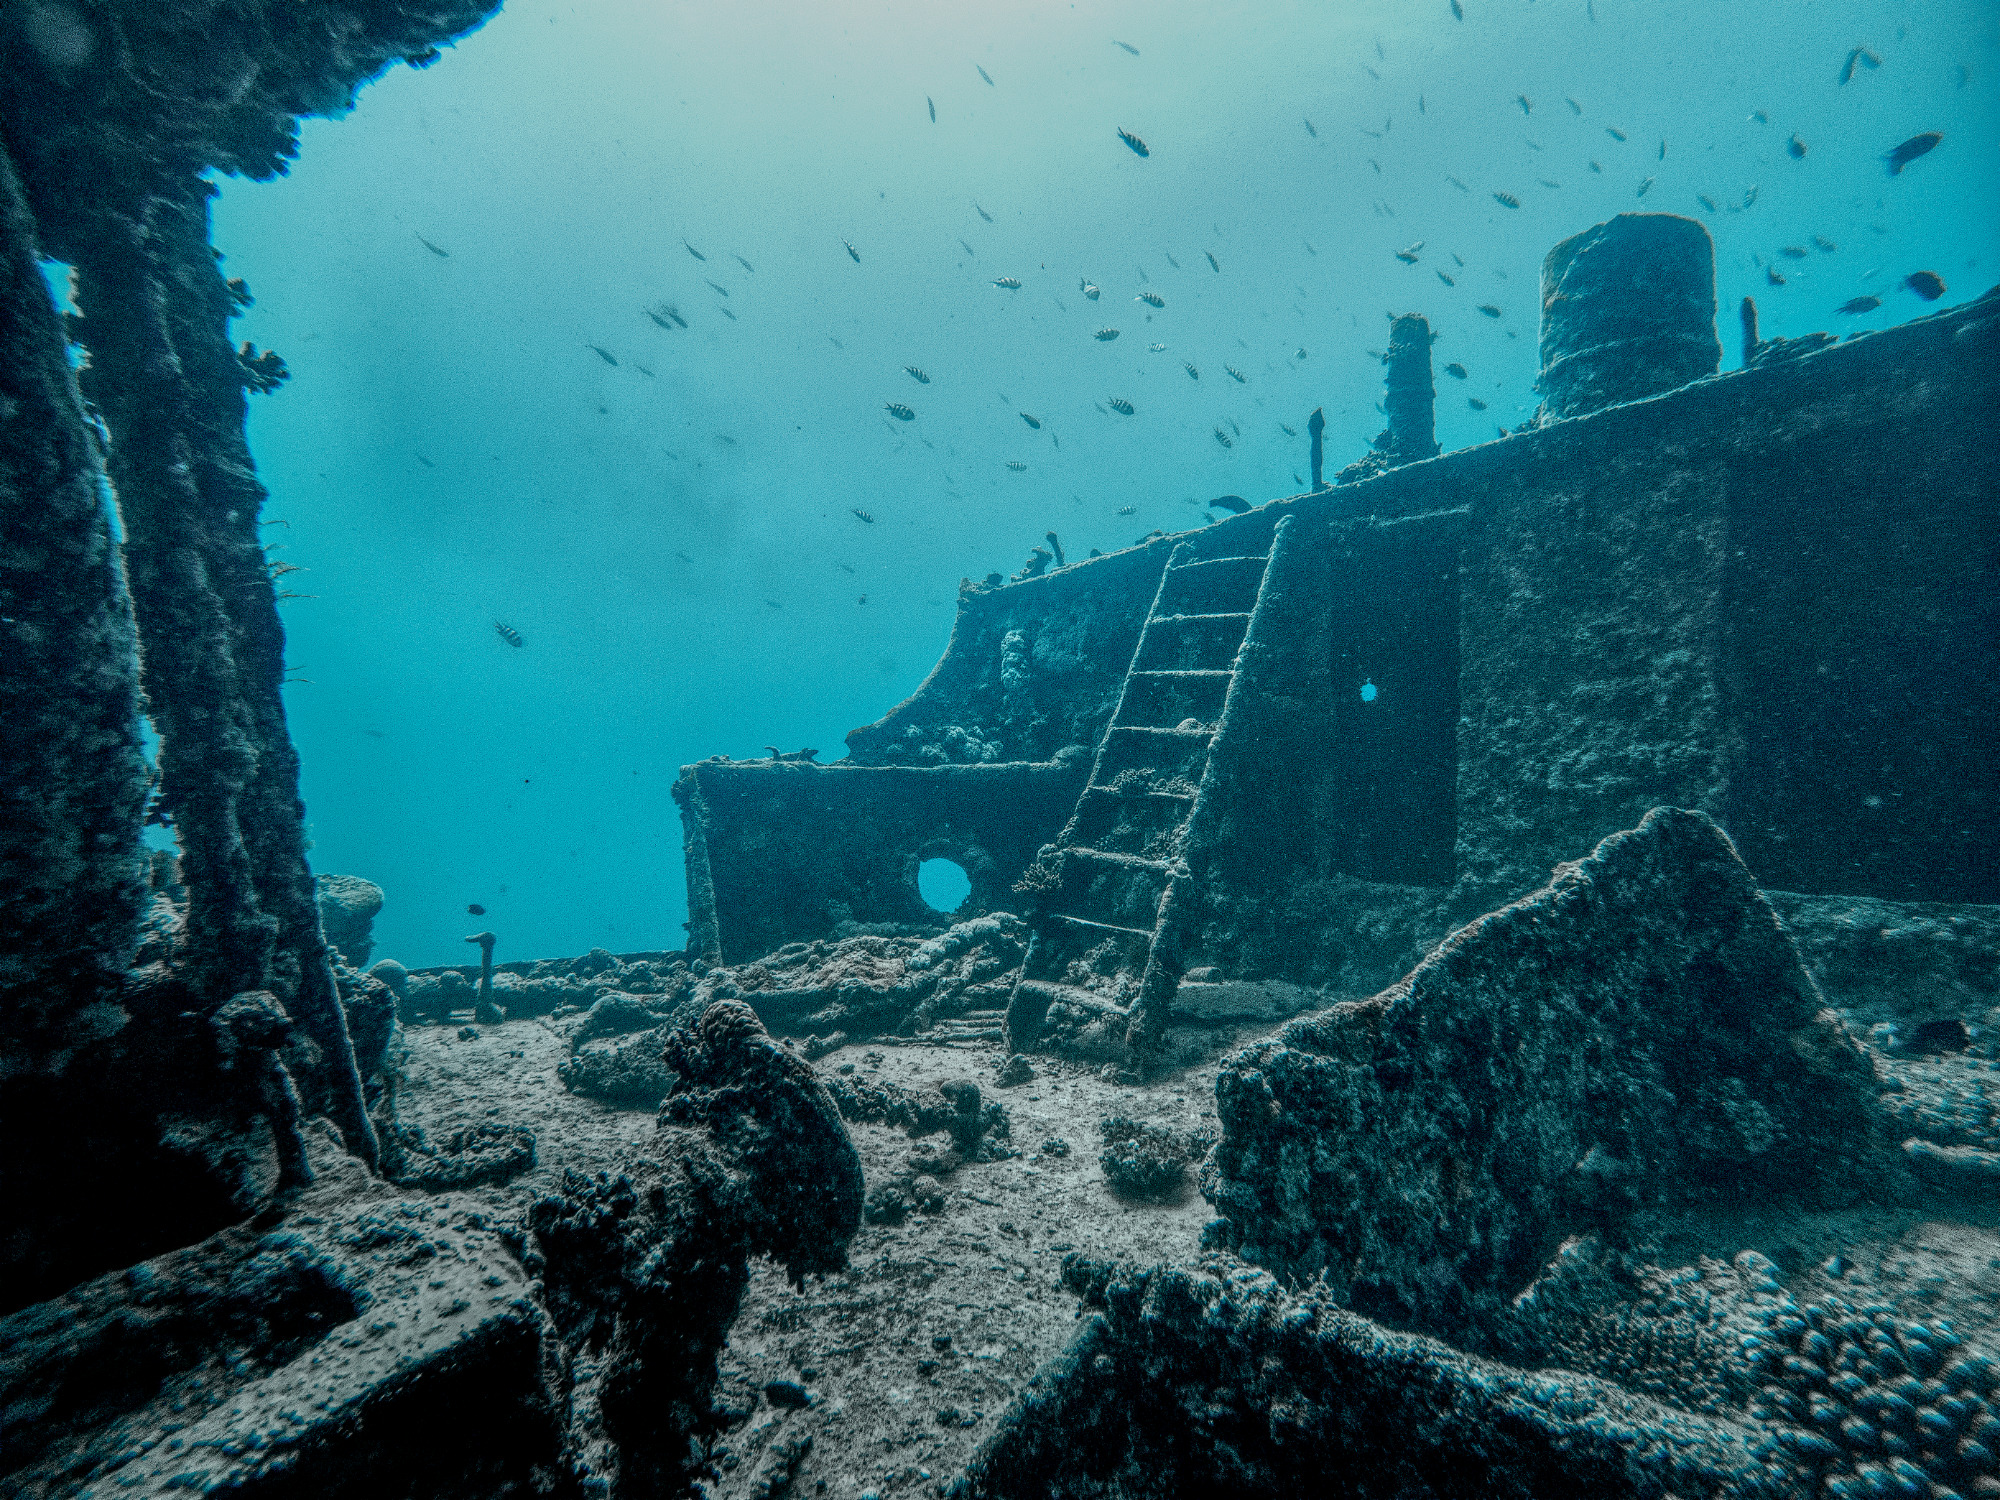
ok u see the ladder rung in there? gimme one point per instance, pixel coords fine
(1205, 562)
(1216, 672)
(1136, 861)
(1109, 791)
(1186, 734)
(1137, 932)
(1236, 614)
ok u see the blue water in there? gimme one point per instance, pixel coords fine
(676, 545)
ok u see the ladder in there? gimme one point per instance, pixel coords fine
(1103, 956)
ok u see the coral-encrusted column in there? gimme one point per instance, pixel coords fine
(72, 778)
(171, 388)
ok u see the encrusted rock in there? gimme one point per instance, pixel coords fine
(347, 908)
(1216, 1381)
(1639, 1033)
(644, 1270)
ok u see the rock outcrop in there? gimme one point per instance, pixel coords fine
(1214, 1380)
(1638, 1034)
(643, 1271)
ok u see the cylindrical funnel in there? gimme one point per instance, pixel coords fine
(1628, 311)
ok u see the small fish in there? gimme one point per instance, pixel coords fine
(727, 313)
(1825, 244)
(1134, 142)
(986, 75)
(1760, 117)
(1371, 72)
(1287, 431)
(1527, 104)
(1860, 55)
(1458, 259)
(1310, 131)
(899, 411)
(1489, 309)
(1507, 200)
(643, 370)
(1663, 148)
(931, 105)
(1772, 275)
(1234, 374)
(1457, 11)
(1016, 465)
(1456, 183)
(1595, 167)
(1307, 243)
(1034, 422)
(861, 515)
(1574, 107)
(1705, 201)
(694, 252)
(1646, 187)
(916, 374)
(1446, 279)
(1455, 371)
(1548, 184)
(1126, 45)
(968, 250)
(860, 598)
(1371, 134)
(425, 462)
(720, 287)
(852, 253)
(1797, 147)
(1216, 266)
(1105, 335)
(1151, 299)
(437, 250)
(474, 909)
(604, 354)
(1120, 405)
(1532, 145)
(1156, 348)
(1615, 134)
(1475, 403)
(1171, 261)
(1910, 150)
(1376, 165)
(1299, 353)
(1860, 304)
(1926, 284)
(1008, 283)
(509, 634)
(982, 213)
(1408, 254)
(1128, 510)
(1750, 196)
(1794, 252)
(1223, 438)
(1193, 373)
(1234, 504)
(1089, 290)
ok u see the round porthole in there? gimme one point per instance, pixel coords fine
(943, 884)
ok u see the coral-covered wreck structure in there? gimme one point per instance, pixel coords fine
(1232, 771)
(1672, 1173)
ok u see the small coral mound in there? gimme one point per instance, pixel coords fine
(1147, 1162)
